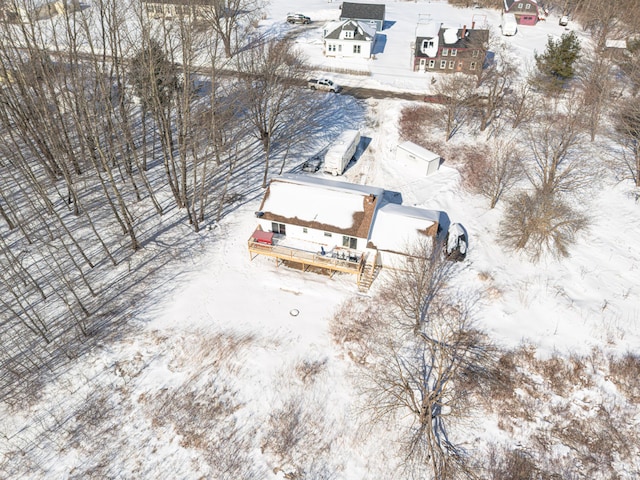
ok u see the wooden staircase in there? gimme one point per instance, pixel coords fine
(368, 273)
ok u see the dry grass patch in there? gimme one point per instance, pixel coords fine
(300, 442)
(205, 349)
(624, 372)
(204, 418)
(595, 430)
(308, 370)
(355, 327)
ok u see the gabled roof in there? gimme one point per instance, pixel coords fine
(399, 227)
(475, 38)
(362, 32)
(509, 3)
(368, 11)
(322, 204)
(472, 38)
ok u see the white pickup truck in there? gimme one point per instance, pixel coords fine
(323, 84)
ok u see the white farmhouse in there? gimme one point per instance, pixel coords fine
(313, 222)
(348, 38)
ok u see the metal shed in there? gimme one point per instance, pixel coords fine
(416, 156)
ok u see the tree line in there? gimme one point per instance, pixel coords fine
(110, 118)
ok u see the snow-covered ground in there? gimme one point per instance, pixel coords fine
(227, 334)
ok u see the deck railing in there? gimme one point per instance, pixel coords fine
(348, 264)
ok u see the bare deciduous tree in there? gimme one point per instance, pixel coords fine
(494, 170)
(268, 76)
(496, 81)
(231, 20)
(596, 83)
(428, 372)
(538, 223)
(421, 279)
(521, 104)
(456, 92)
(628, 138)
(554, 143)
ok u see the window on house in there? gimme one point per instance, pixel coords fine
(331, 47)
(304, 230)
(349, 242)
(445, 52)
(472, 66)
(527, 6)
(356, 49)
(278, 228)
(432, 64)
(459, 65)
(454, 52)
(475, 53)
(427, 44)
(340, 47)
(520, 6)
(452, 64)
(443, 64)
(348, 34)
(327, 234)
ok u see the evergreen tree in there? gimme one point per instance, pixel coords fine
(556, 64)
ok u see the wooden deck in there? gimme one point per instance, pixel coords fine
(304, 257)
(309, 259)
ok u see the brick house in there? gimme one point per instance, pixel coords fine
(449, 50)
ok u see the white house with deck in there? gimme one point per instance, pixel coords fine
(314, 222)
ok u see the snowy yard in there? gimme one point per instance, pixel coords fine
(231, 362)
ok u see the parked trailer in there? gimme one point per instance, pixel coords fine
(341, 152)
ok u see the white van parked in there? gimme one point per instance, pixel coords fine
(509, 25)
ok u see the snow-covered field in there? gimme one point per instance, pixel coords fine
(209, 367)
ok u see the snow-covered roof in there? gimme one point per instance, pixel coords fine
(347, 208)
(427, 30)
(509, 3)
(616, 44)
(418, 151)
(399, 227)
(362, 31)
(321, 203)
(455, 38)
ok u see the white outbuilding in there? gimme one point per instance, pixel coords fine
(415, 157)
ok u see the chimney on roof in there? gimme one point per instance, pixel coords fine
(464, 31)
(473, 25)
